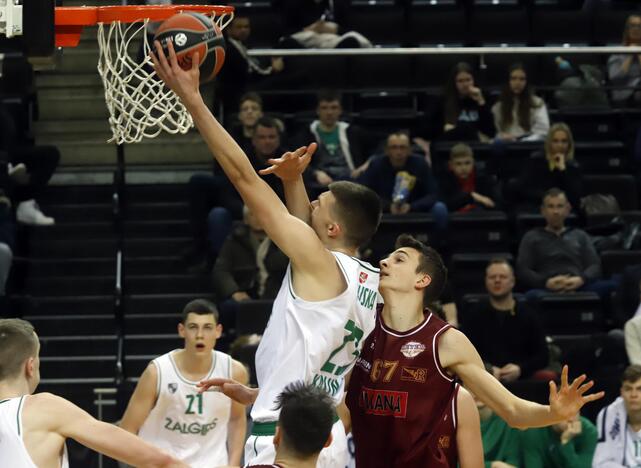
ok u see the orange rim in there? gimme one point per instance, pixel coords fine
(69, 21)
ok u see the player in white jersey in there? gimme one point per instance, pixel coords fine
(166, 409)
(33, 428)
(619, 426)
(325, 307)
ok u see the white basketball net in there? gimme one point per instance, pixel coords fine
(140, 105)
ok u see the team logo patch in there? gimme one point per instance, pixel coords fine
(444, 442)
(414, 374)
(362, 277)
(411, 349)
(383, 402)
(172, 387)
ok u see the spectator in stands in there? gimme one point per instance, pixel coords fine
(463, 188)
(467, 116)
(633, 334)
(619, 424)
(519, 115)
(29, 167)
(249, 266)
(568, 444)
(214, 203)
(556, 169)
(317, 24)
(241, 71)
(624, 70)
(506, 333)
(557, 258)
(501, 443)
(249, 112)
(339, 151)
(404, 181)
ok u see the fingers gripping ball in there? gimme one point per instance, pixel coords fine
(190, 33)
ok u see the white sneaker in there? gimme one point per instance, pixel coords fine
(28, 212)
(19, 173)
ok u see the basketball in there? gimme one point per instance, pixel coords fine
(190, 33)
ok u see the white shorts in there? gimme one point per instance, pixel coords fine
(260, 450)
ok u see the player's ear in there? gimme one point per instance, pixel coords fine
(30, 366)
(329, 440)
(277, 437)
(219, 330)
(181, 330)
(424, 281)
(333, 230)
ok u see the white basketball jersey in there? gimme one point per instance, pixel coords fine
(315, 342)
(190, 425)
(13, 453)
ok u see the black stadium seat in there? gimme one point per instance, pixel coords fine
(432, 24)
(380, 21)
(481, 231)
(570, 313)
(495, 23)
(623, 187)
(552, 25)
(615, 261)
(608, 26)
(418, 225)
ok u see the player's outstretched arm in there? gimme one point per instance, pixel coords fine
(459, 356)
(289, 168)
(468, 432)
(65, 418)
(237, 426)
(142, 401)
(294, 238)
(236, 391)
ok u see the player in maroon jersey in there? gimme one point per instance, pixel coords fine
(403, 385)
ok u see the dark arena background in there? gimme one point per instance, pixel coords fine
(103, 244)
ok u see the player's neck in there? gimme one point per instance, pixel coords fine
(13, 389)
(634, 420)
(402, 311)
(287, 460)
(193, 364)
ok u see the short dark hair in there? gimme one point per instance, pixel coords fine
(251, 96)
(499, 261)
(553, 192)
(199, 307)
(328, 95)
(358, 209)
(307, 415)
(430, 263)
(632, 373)
(18, 343)
(269, 122)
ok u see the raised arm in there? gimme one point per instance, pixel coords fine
(289, 168)
(307, 253)
(142, 401)
(237, 426)
(65, 418)
(459, 356)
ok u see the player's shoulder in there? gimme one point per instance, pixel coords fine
(239, 371)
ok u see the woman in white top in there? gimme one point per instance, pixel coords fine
(519, 114)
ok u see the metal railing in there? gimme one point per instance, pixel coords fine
(447, 50)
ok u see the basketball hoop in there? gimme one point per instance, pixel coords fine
(140, 105)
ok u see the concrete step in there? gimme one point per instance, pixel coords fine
(68, 80)
(170, 149)
(79, 107)
(65, 127)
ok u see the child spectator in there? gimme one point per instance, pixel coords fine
(463, 188)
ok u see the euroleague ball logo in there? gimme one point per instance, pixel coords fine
(180, 39)
(412, 349)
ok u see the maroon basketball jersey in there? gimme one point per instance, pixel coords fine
(402, 402)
